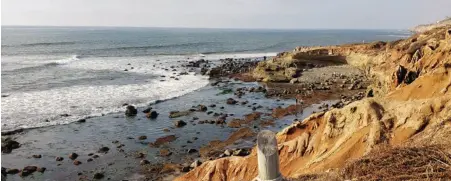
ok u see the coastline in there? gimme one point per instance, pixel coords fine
(121, 133)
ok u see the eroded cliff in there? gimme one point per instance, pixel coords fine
(412, 107)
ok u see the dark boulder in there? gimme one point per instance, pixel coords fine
(103, 150)
(8, 145)
(12, 171)
(152, 115)
(147, 110)
(185, 169)
(73, 156)
(98, 175)
(192, 151)
(201, 108)
(231, 101)
(7, 133)
(131, 111)
(179, 123)
(28, 170)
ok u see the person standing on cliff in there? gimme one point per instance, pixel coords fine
(299, 103)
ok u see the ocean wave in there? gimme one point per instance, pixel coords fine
(32, 66)
(87, 101)
(67, 60)
(42, 44)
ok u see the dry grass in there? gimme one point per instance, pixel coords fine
(385, 163)
(332, 176)
(402, 163)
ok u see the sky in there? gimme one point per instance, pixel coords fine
(270, 14)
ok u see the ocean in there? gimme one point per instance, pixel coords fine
(58, 75)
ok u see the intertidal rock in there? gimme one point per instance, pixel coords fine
(176, 114)
(147, 110)
(76, 162)
(152, 115)
(28, 170)
(163, 140)
(131, 111)
(179, 123)
(201, 108)
(103, 149)
(8, 145)
(231, 101)
(12, 171)
(73, 156)
(98, 176)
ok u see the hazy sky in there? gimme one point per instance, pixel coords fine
(278, 14)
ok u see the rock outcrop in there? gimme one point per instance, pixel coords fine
(411, 106)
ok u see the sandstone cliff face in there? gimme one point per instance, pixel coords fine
(412, 78)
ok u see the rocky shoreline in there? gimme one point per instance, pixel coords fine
(237, 89)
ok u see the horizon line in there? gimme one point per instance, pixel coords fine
(179, 27)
